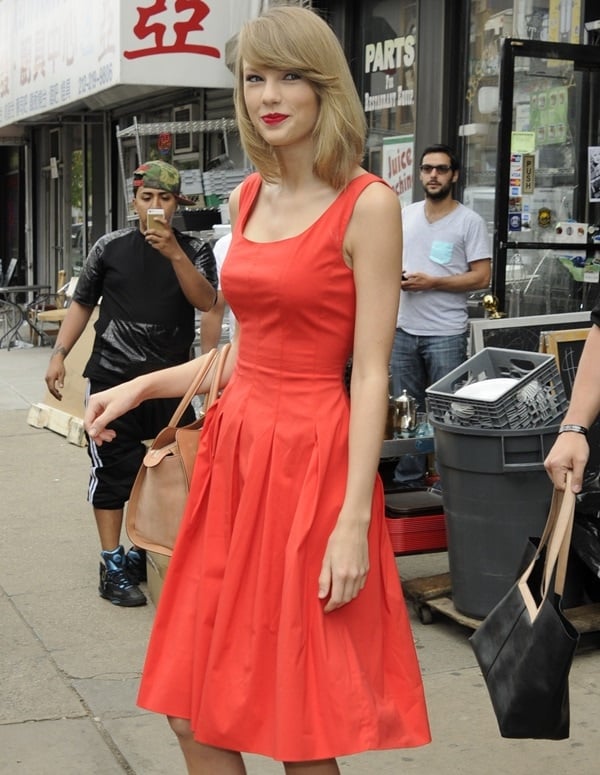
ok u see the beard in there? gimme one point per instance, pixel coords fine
(443, 192)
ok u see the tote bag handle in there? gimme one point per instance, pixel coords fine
(557, 539)
(220, 356)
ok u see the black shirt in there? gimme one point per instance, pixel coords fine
(145, 321)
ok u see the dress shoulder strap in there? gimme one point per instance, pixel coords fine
(248, 193)
(343, 207)
(364, 180)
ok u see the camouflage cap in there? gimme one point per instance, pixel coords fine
(159, 174)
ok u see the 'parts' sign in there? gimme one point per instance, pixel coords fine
(386, 62)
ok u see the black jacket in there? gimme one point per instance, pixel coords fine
(145, 321)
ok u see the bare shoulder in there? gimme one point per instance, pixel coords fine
(377, 206)
(375, 228)
(378, 201)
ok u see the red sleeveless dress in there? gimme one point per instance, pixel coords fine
(241, 645)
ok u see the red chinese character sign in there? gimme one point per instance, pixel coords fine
(150, 25)
(54, 53)
(177, 42)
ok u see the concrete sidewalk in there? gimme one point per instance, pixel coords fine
(70, 662)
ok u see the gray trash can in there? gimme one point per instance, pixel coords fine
(490, 451)
(496, 495)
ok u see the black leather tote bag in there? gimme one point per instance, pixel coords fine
(525, 645)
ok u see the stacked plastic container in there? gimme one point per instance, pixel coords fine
(495, 418)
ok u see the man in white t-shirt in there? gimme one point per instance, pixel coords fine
(212, 321)
(446, 255)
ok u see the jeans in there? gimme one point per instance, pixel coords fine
(417, 362)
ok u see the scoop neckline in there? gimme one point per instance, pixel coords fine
(310, 226)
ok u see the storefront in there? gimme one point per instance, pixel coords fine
(72, 74)
(427, 71)
(434, 71)
(405, 55)
(529, 132)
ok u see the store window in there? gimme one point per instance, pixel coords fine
(12, 233)
(79, 180)
(556, 21)
(525, 160)
(387, 85)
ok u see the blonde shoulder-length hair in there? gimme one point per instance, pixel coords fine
(294, 38)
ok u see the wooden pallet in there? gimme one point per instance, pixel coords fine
(44, 416)
(434, 593)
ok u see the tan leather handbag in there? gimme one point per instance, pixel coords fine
(160, 490)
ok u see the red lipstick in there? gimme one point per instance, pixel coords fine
(273, 118)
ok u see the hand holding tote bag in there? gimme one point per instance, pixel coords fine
(160, 490)
(525, 645)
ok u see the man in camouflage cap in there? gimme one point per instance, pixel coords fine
(162, 176)
(150, 280)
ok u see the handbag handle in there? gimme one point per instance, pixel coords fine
(207, 363)
(557, 539)
(216, 380)
(220, 356)
(557, 553)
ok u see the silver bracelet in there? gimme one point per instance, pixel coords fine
(569, 428)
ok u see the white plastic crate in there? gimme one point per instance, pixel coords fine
(537, 398)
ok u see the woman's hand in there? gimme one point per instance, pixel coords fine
(345, 565)
(570, 452)
(104, 407)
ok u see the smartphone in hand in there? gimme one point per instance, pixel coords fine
(151, 216)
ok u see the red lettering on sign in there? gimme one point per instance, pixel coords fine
(145, 27)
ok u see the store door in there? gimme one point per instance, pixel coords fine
(547, 204)
(65, 206)
(51, 257)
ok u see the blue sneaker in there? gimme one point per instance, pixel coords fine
(115, 584)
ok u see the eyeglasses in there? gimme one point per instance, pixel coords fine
(441, 168)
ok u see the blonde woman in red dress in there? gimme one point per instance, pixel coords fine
(281, 629)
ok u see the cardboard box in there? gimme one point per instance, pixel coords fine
(73, 401)
(156, 568)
